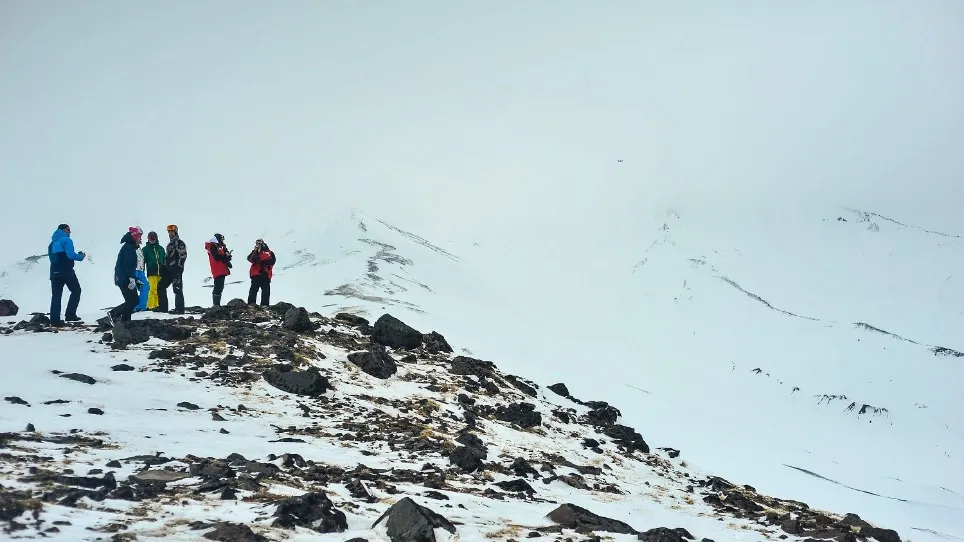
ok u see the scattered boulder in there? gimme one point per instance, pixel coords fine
(233, 532)
(408, 521)
(96, 411)
(627, 437)
(463, 365)
(392, 332)
(188, 405)
(662, 534)
(523, 468)
(576, 517)
(16, 400)
(139, 331)
(516, 486)
(468, 458)
(528, 388)
(351, 319)
(122, 367)
(603, 415)
(673, 453)
(377, 362)
(313, 510)
(310, 383)
(79, 377)
(436, 343)
(160, 476)
(8, 308)
(522, 414)
(297, 320)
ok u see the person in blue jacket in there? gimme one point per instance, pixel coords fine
(61, 253)
(125, 275)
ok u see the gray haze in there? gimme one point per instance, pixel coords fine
(465, 120)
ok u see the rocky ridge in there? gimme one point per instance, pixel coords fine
(339, 425)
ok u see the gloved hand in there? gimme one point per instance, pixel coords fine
(132, 285)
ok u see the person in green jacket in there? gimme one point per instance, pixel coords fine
(153, 260)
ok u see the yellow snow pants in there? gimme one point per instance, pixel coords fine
(152, 301)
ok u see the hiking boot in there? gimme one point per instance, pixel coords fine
(72, 318)
(58, 323)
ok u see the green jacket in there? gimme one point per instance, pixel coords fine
(153, 258)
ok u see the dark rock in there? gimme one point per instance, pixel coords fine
(523, 468)
(122, 367)
(107, 337)
(8, 308)
(351, 319)
(435, 343)
(462, 365)
(79, 378)
(518, 485)
(309, 383)
(392, 332)
(662, 534)
(627, 437)
(233, 532)
(672, 452)
(522, 414)
(376, 363)
(30, 428)
(139, 331)
(211, 469)
(229, 494)
(525, 387)
(468, 458)
(603, 415)
(470, 439)
(312, 510)
(436, 495)
(162, 354)
(114, 464)
(575, 517)
(11, 507)
(16, 400)
(792, 526)
(187, 405)
(297, 320)
(408, 521)
(94, 410)
(358, 490)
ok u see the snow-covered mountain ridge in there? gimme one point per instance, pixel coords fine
(244, 424)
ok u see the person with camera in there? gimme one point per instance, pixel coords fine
(262, 263)
(220, 259)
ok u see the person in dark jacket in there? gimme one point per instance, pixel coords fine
(125, 275)
(61, 253)
(172, 272)
(262, 264)
(153, 261)
(220, 259)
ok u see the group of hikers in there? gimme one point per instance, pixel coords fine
(144, 273)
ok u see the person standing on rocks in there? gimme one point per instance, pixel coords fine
(61, 254)
(262, 264)
(172, 272)
(125, 275)
(142, 285)
(153, 261)
(220, 259)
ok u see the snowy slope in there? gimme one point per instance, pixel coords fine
(178, 412)
(741, 339)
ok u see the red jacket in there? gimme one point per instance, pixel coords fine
(262, 262)
(218, 257)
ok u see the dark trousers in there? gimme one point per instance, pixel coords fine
(57, 292)
(122, 312)
(218, 288)
(262, 283)
(170, 278)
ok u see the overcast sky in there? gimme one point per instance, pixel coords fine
(473, 118)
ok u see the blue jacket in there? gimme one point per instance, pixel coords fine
(126, 266)
(61, 253)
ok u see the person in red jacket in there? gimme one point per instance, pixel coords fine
(262, 262)
(220, 258)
